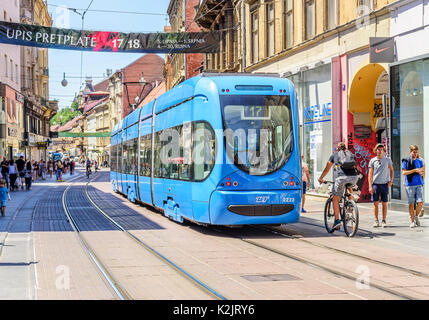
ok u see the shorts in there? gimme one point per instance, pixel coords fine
(340, 184)
(380, 191)
(414, 194)
(304, 187)
(3, 203)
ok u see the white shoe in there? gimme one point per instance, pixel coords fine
(383, 224)
(417, 221)
(413, 225)
(376, 224)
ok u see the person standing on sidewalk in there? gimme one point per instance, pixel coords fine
(413, 168)
(380, 179)
(4, 192)
(305, 181)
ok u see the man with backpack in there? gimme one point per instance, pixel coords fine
(344, 173)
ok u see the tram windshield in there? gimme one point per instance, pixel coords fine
(258, 132)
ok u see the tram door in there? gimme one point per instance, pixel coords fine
(120, 161)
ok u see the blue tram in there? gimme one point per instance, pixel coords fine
(217, 149)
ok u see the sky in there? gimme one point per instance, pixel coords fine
(95, 63)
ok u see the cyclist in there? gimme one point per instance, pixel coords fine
(344, 173)
(88, 167)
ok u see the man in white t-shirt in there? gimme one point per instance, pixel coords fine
(380, 179)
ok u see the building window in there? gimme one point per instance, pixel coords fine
(288, 12)
(331, 14)
(270, 28)
(5, 65)
(310, 19)
(255, 38)
(364, 7)
(16, 73)
(11, 69)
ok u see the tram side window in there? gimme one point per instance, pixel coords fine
(185, 165)
(145, 155)
(112, 161)
(204, 151)
(157, 156)
(132, 156)
(124, 157)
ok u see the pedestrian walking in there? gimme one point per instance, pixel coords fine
(413, 168)
(50, 167)
(380, 179)
(13, 174)
(4, 195)
(28, 175)
(20, 165)
(305, 181)
(59, 171)
(5, 170)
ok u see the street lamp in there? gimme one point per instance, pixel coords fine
(142, 82)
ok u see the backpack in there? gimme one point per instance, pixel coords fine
(346, 160)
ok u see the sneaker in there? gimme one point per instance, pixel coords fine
(413, 225)
(336, 225)
(383, 224)
(417, 221)
(376, 224)
(303, 211)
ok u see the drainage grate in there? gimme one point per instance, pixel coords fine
(270, 277)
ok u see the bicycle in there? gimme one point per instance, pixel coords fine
(349, 212)
(88, 172)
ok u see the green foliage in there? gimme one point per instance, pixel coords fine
(65, 115)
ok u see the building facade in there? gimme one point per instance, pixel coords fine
(11, 98)
(323, 46)
(409, 86)
(180, 67)
(38, 110)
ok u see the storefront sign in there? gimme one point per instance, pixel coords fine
(318, 113)
(70, 39)
(42, 144)
(382, 50)
(19, 97)
(12, 132)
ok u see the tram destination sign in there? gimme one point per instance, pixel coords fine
(84, 40)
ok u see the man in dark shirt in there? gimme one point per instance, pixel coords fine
(5, 170)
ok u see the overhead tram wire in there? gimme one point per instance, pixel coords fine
(114, 11)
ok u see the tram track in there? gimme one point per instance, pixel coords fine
(400, 268)
(114, 284)
(380, 285)
(119, 289)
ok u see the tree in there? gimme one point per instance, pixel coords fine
(66, 114)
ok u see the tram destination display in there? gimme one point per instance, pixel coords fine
(70, 39)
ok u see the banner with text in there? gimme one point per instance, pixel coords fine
(70, 39)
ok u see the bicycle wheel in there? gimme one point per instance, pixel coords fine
(329, 215)
(351, 218)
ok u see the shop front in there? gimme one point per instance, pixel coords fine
(314, 89)
(410, 111)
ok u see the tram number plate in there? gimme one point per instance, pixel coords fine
(262, 199)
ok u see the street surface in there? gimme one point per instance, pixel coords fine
(42, 257)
